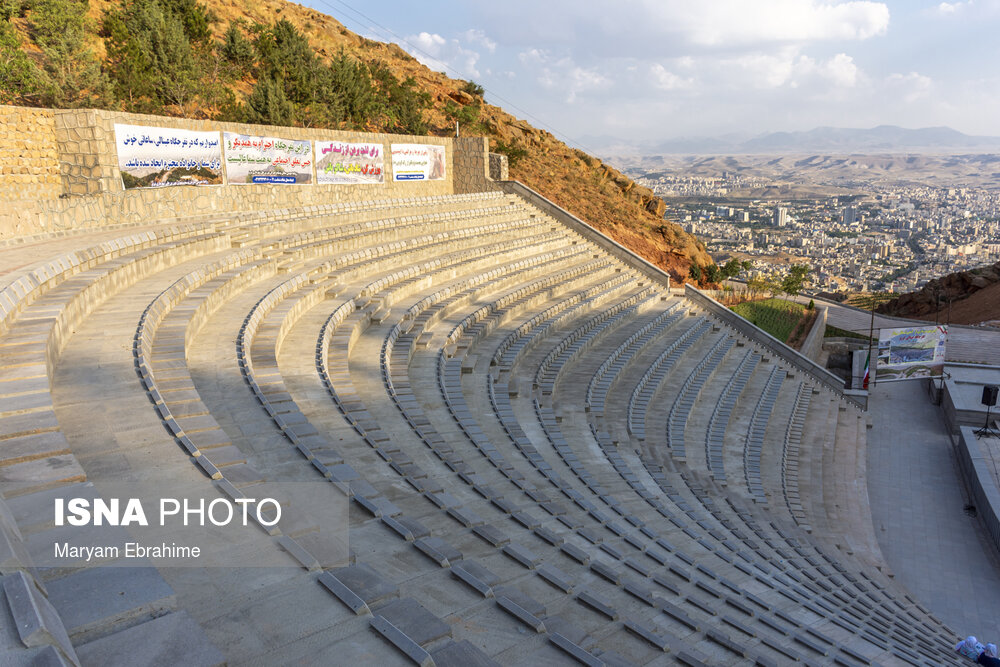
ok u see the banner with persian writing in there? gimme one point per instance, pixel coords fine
(345, 163)
(916, 352)
(418, 162)
(155, 157)
(269, 160)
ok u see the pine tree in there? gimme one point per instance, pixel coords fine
(72, 74)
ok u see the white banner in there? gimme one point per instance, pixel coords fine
(343, 163)
(153, 157)
(910, 353)
(418, 162)
(251, 159)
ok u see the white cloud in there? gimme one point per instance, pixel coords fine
(443, 55)
(909, 87)
(563, 74)
(788, 67)
(479, 38)
(737, 22)
(951, 8)
(841, 71)
(667, 80)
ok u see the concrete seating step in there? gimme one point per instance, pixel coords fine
(173, 639)
(36, 621)
(411, 618)
(96, 600)
(358, 586)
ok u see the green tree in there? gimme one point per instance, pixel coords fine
(267, 105)
(731, 269)
(404, 106)
(774, 286)
(712, 273)
(351, 92)
(285, 56)
(793, 283)
(466, 115)
(11, 8)
(757, 285)
(20, 79)
(157, 51)
(72, 74)
(236, 49)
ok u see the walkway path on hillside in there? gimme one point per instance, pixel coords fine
(917, 502)
(979, 345)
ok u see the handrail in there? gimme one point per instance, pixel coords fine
(790, 355)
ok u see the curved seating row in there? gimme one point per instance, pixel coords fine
(463, 370)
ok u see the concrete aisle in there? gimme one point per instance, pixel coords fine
(917, 500)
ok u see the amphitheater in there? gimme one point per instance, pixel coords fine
(537, 451)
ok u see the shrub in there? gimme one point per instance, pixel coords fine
(473, 88)
(513, 152)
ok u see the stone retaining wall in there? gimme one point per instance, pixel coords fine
(812, 347)
(59, 171)
(980, 482)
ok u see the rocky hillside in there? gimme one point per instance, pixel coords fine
(974, 298)
(595, 192)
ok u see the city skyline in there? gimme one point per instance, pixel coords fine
(661, 70)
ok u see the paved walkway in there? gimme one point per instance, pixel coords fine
(917, 501)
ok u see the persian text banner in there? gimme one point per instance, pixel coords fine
(909, 353)
(418, 162)
(154, 157)
(345, 163)
(251, 159)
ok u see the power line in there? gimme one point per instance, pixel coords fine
(455, 72)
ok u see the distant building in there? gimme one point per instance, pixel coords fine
(742, 216)
(780, 218)
(850, 215)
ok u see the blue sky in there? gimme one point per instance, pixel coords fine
(650, 70)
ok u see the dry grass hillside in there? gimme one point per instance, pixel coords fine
(595, 192)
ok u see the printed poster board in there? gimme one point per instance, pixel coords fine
(343, 163)
(155, 157)
(418, 162)
(268, 160)
(910, 353)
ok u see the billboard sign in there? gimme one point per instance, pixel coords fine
(270, 160)
(155, 157)
(343, 163)
(910, 353)
(418, 162)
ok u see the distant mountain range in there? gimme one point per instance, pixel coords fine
(881, 139)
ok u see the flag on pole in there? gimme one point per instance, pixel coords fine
(868, 360)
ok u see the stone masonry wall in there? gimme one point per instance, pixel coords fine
(61, 169)
(472, 172)
(499, 169)
(30, 155)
